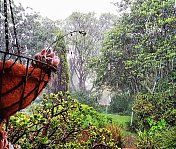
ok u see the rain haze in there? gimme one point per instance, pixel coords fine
(59, 10)
(90, 74)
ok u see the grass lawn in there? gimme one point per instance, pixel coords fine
(118, 119)
(121, 121)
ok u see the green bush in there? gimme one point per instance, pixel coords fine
(168, 139)
(86, 99)
(57, 123)
(159, 136)
(120, 104)
(90, 117)
(157, 106)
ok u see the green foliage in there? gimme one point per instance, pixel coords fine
(90, 117)
(116, 132)
(119, 120)
(96, 136)
(158, 136)
(140, 49)
(138, 56)
(158, 106)
(95, 118)
(63, 76)
(57, 123)
(120, 104)
(86, 99)
(168, 139)
(149, 139)
(46, 122)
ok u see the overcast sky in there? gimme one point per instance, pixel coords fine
(61, 9)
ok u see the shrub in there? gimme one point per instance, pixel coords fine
(168, 139)
(120, 104)
(157, 106)
(159, 136)
(116, 133)
(83, 98)
(57, 123)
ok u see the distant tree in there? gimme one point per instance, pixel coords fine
(82, 48)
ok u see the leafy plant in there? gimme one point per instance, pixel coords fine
(168, 139)
(57, 123)
(86, 99)
(150, 139)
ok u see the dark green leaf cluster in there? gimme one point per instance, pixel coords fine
(120, 104)
(86, 99)
(158, 136)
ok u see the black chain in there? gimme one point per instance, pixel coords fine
(0, 23)
(14, 28)
(6, 27)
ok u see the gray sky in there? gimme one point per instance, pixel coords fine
(61, 9)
